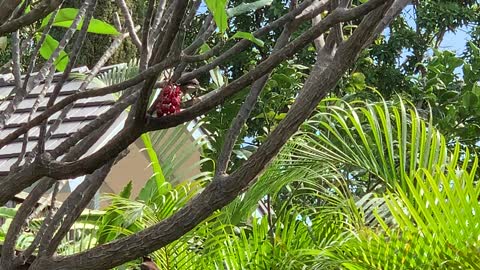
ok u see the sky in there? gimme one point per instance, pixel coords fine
(454, 41)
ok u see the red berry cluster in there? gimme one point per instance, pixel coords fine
(170, 99)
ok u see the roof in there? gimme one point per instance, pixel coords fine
(83, 112)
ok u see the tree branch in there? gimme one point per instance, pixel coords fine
(129, 23)
(152, 71)
(18, 222)
(71, 210)
(247, 107)
(74, 54)
(159, 52)
(6, 9)
(43, 9)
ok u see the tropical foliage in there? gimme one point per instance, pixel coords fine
(361, 186)
(383, 178)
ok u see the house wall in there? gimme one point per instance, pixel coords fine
(135, 167)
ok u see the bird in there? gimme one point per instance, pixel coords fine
(148, 264)
(189, 87)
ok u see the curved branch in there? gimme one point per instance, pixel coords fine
(43, 9)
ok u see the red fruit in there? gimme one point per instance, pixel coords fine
(170, 100)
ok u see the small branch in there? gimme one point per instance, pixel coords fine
(156, 21)
(129, 23)
(74, 54)
(247, 108)
(6, 9)
(204, 33)
(35, 106)
(112, 113)
(152, 71)
(36, 51)
(146, 51)
(18, 222)
(159, 27)
(41, 75)
(40, 12)
(71, 210)
(16, 56)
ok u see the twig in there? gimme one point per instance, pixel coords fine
(129, 23)
(36, 51)
(71, 210)
(157, 18)
(41, 11)
(74, 54)
(146, 51)
(247, 107)
(61, 45)
(16, 56)
(152, 71)
(35, 106)
(113, 113)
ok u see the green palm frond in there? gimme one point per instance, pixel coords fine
(389, 141)
(437, 226)
(174, 148)
(120, 73)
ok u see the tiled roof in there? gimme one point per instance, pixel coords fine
(83, 112)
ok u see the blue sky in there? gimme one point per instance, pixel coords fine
(454, 41)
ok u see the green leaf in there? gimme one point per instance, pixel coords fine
(7, 212)
(47, 49)
(248, 36)
(157, 169)
(469, 99)
(65, 17)
(127, 191)
(3, 43)
(219, 12)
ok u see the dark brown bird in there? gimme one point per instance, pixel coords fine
(148, 264)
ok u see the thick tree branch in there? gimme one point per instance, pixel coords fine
(6, 9)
